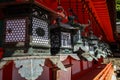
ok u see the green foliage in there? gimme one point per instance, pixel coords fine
(118, 10)
(118, 5)
(118, 1)
(117, 20)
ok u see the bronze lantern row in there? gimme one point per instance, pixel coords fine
(28, 31)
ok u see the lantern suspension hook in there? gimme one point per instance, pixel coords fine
(59, 3)
(61, 11)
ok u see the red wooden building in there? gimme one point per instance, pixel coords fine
(45, 66)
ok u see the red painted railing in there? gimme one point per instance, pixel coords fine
(106, 73)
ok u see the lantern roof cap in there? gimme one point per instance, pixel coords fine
(60, 24)
(92, 36)
(63, 25)
(27, 2)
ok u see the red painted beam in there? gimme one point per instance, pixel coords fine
(102, 14)
(97, 0)
(94, 10)
(101, 7)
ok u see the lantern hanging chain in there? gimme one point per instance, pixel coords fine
(77, 10)
(77, 6)
(83, 12)
(71, 10)
(90, 27)
(59, 3)
(61, 9)
(69, 3)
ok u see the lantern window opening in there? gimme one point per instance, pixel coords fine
(39, 31)
(15, 30)
(65, 39)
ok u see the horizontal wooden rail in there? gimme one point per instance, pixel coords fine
(106, 73)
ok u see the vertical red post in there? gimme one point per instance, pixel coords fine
(1, 53)
(7, 71)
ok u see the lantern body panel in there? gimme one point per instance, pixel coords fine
(39, 32)
(55, 41)
(15, 30)
(61, 41)
(65, 39)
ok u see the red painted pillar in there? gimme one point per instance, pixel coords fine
(81, 65)
(7, 71)
(1, 53)
(1, 74)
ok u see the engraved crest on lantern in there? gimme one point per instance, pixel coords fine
(39, 32)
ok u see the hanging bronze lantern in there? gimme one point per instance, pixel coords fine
(26, 30)
(61, 37)
(92, 39)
